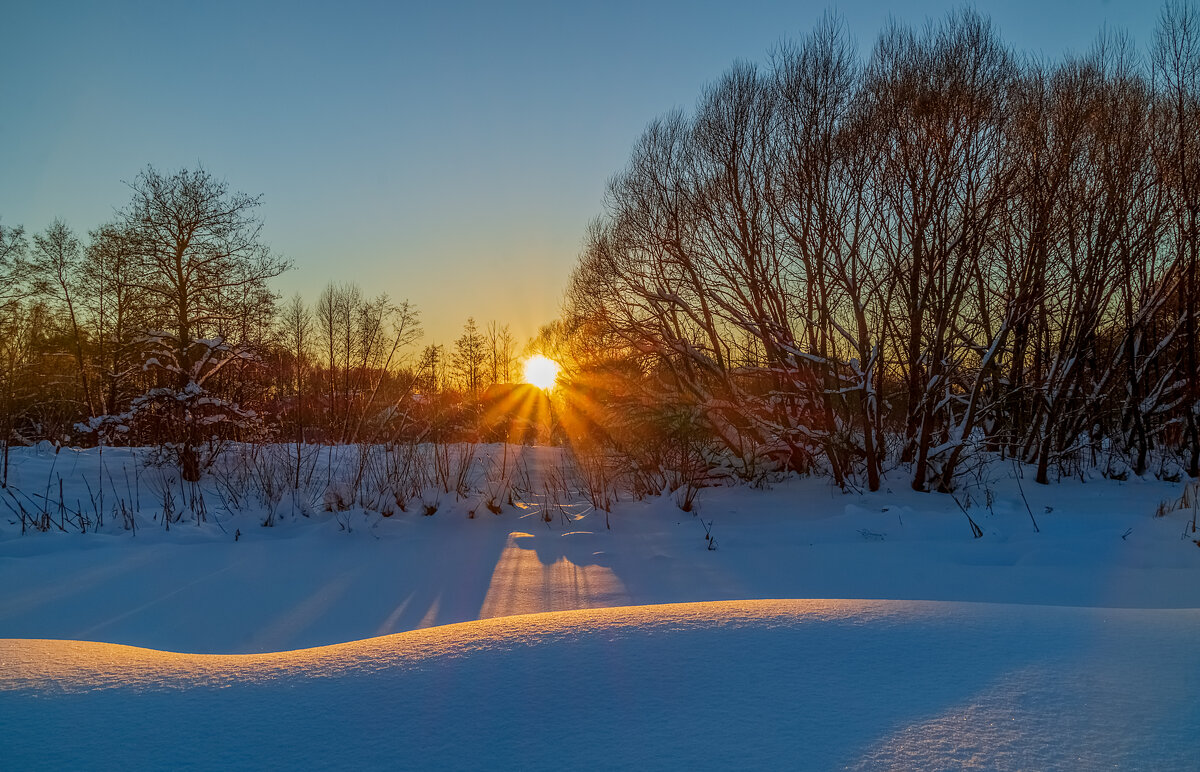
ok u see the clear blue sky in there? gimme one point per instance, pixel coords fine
(450, 153)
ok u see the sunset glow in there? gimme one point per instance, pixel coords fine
(445, 383)
(541, 372)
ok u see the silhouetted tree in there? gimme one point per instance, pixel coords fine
(469, 359)
(196, 245)
(56, 269)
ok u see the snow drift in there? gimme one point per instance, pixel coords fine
(797, 684)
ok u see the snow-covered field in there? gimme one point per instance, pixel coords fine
(1074, 647)
(738, 685)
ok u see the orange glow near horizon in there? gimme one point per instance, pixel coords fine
(541, 371)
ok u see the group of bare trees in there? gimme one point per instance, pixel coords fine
(161, 328)
(363, 345)
(146, 331)
(942, 252)
(943, 248)
(477, 360)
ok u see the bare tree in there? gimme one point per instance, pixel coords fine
(195, 243)
(470, 359)
(55, 266)
(431, 370)
(13, 289)
(116, 312)
(1176, 67)
(501, 346)
(386, 331)
(327, 335)
(295, 330)
(13, 266)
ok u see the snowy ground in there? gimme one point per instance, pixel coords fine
(738, 685)
(308, 582)
(1072, 647)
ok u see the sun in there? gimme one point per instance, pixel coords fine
(541, 371)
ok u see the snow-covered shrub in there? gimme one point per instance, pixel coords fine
(338, 496)
(1117, 469)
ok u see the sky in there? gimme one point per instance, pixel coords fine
(447, 153)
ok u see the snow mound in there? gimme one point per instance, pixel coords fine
(743, 684)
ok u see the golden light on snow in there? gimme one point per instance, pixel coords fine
(541, 371)
(59, 667)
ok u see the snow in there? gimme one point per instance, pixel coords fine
(513, 642)
(747, 684)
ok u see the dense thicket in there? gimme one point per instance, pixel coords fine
(943, 248)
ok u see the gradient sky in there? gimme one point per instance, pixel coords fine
(448, 153)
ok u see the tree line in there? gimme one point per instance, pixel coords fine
(936, 252)
(161, 328)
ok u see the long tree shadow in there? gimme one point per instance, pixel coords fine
(370, 588)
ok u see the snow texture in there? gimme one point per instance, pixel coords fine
(749, 684)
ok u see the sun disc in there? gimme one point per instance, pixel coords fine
(541, 371)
